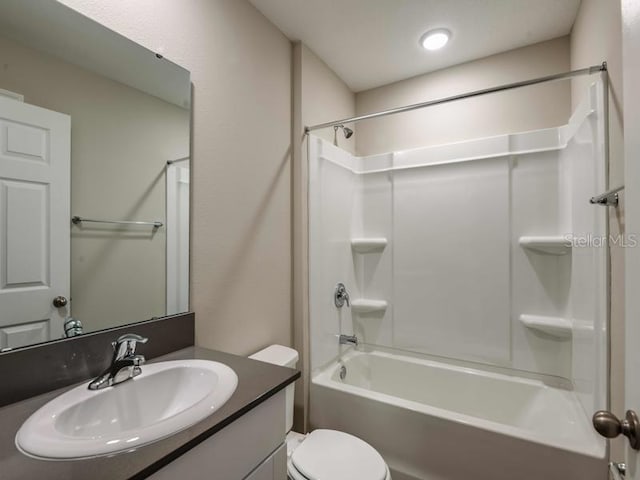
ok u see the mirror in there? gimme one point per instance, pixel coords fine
(94, 128)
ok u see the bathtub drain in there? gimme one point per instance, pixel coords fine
(343, 372)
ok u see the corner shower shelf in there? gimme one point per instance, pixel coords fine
(555, 326)
(366, 245)
(362, 305)
(550, 245)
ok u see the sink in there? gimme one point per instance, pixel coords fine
(165, 398)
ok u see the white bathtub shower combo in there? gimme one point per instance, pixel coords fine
(477, 281)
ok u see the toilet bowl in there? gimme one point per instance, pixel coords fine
(323, 454)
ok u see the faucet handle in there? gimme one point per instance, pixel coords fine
(341, 296)
(125, 345)
(127, 337)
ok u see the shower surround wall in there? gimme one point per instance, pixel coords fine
(462, 253)
(452, 273)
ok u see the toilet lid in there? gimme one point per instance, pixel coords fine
(333, 455)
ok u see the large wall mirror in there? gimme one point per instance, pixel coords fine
(94, 177)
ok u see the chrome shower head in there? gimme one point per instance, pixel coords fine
(346, 130)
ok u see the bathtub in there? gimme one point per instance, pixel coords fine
(435, 421)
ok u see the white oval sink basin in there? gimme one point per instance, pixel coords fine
(165, 398)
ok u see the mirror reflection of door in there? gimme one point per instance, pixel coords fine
(177, 236)
(130, 112)
(34, 222)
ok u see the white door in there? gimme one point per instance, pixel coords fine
(178, 237)
(631, 81)
(35, 151)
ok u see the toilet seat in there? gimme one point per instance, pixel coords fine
(333, 455)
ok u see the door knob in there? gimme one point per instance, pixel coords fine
(609, 426)
(60, 301)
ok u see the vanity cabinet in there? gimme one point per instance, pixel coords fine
(273, 468)
(252, 447)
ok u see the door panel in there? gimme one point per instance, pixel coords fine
(24, 227)
(26, 334)
(34, 222)
(27, 142)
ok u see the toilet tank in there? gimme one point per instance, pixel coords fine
(285, 357)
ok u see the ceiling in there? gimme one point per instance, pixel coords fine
(370, 43)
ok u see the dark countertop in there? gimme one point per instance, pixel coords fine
(257, 381)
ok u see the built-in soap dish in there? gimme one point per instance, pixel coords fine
(368, 245)
(362, 305)
(555, 326)
(549, 245)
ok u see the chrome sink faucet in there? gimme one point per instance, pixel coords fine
(125, 364)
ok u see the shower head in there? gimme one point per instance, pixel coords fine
(346, 130)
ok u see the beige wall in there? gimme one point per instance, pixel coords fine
(597, 37)
(241, 201)
(319, 96)
(506, 112)
(121, 139)
(325, 97)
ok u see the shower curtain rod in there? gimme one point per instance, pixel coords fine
(510, 86)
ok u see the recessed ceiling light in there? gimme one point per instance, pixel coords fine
(435, 39)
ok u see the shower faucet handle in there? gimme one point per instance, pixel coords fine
(341, 296)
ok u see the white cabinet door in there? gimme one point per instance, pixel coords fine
(239, 450)
(35, 150)
(273, 468)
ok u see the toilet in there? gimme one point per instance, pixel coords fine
(323, 454)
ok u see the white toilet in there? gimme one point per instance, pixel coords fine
(323, 454)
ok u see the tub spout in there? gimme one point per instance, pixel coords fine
(349, 340)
